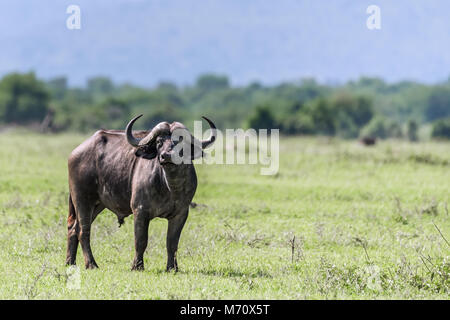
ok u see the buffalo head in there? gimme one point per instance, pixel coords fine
(160, 142)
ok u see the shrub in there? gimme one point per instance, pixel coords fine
(441, 129)
(262, 118)
(411, 130)
(438, 103)
(382, 128)
(23, 99)
(375, 128)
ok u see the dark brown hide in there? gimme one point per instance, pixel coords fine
(106, 171)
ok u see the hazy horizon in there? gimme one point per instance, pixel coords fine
(145, 43)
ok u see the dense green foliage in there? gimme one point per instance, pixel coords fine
(23, 98)
(339, 221)
(368, 106)
(441, 128)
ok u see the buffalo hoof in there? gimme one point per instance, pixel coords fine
(70, 262)
(138, 267)
(91, 265)
(172, 268)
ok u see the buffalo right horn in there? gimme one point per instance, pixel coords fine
(129, 131)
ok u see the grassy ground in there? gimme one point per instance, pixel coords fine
(339, 221)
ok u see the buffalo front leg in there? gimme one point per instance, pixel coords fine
(176, 224)
(85, 241)
(84, 215)
(141, 222)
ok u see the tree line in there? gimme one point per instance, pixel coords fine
(364, 107)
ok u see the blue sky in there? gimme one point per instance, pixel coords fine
(144, 42)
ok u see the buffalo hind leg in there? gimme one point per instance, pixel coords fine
(175, 226)
(141, 222)
(72, 235)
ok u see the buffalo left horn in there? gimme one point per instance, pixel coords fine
(190, 139)
(212, 138)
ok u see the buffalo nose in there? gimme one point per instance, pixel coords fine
(165, 156)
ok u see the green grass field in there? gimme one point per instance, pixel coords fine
(339, 221)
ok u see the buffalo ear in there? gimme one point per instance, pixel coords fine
(146, 152)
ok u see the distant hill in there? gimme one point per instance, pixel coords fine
(145, 42)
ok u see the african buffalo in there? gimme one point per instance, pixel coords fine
(132, 174)
(368, 141)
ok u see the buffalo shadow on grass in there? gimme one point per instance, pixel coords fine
(221, 272)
